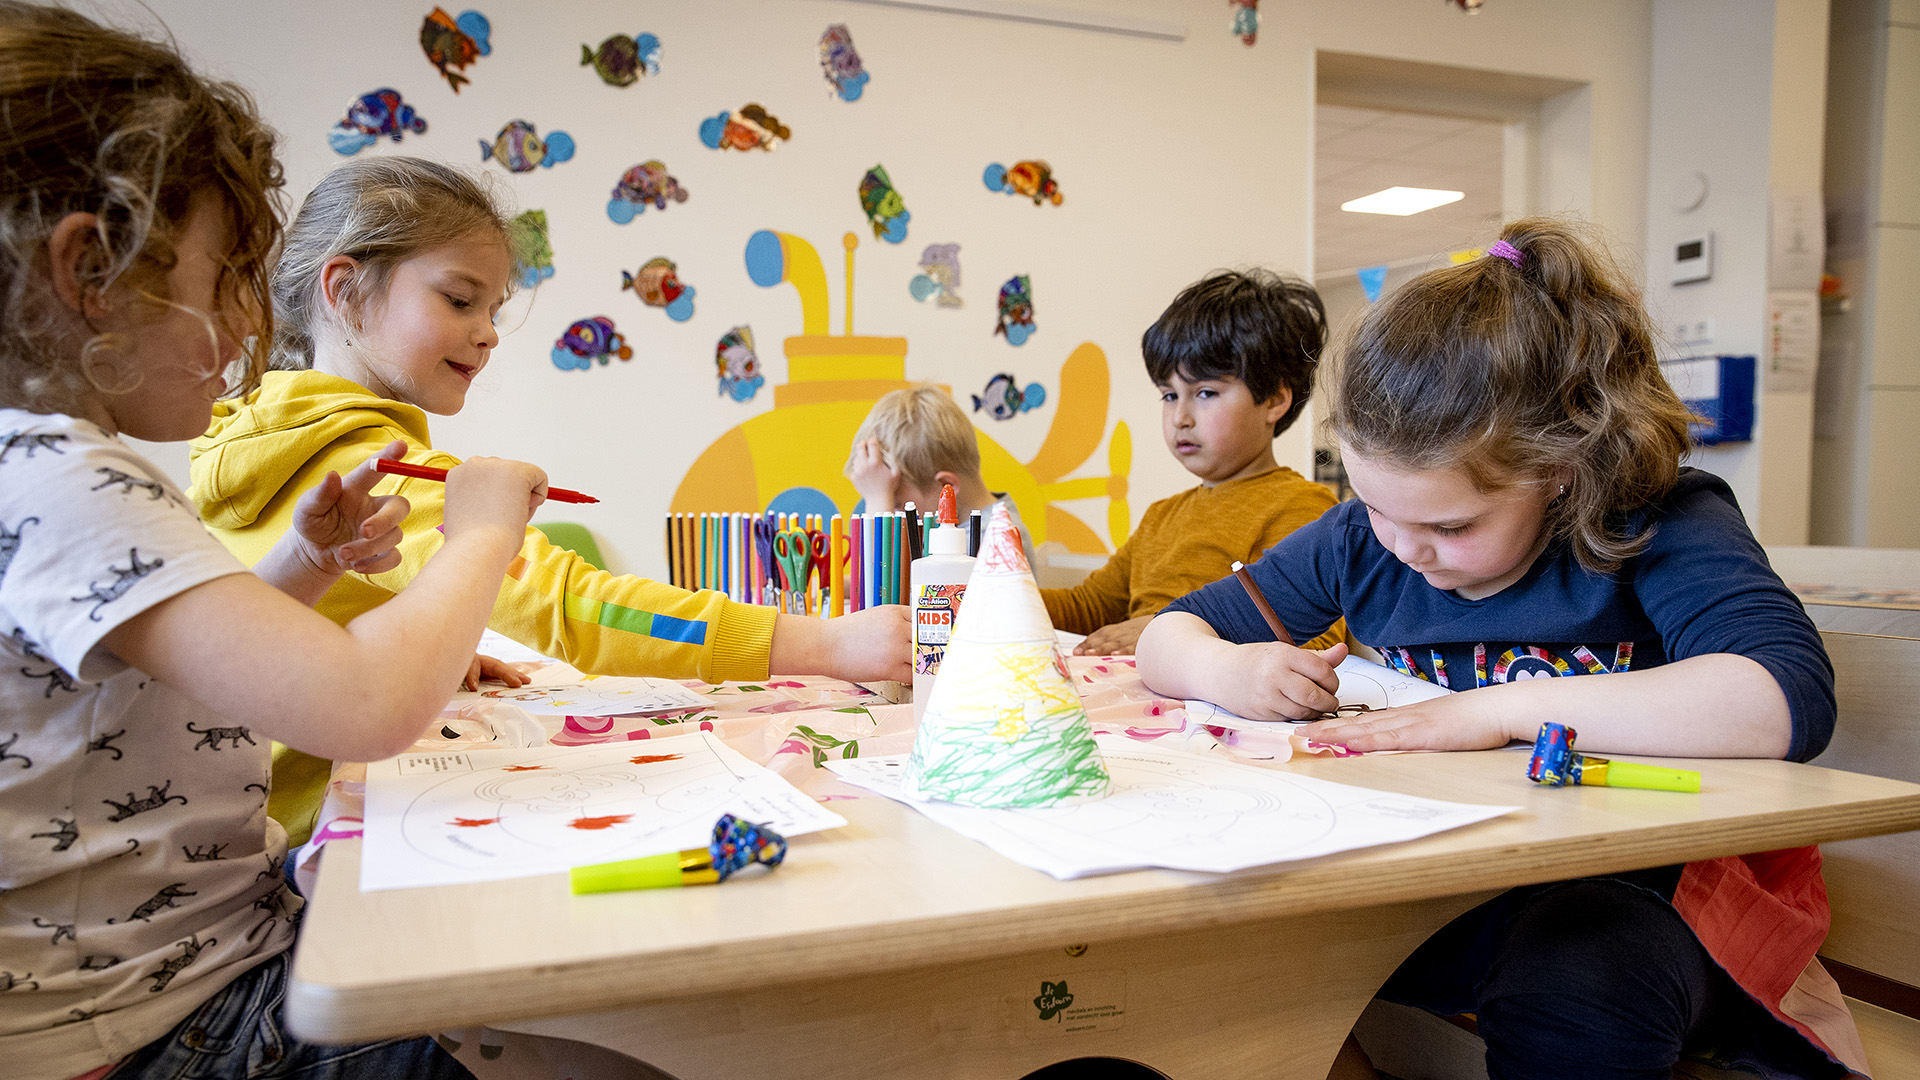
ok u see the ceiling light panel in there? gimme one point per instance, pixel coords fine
(1401, 201)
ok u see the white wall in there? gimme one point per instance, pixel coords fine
(1737, 93)
(1175, 159)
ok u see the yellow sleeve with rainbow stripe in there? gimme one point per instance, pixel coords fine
(604, 624)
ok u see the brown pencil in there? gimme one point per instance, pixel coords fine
(1253, 593)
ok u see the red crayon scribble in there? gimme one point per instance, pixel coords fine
(648, 759)
(600, 822)
(522, 768)
(473, 823)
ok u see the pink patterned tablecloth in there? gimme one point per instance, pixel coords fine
(795, 725)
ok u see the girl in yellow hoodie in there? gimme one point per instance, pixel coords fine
(384, 303)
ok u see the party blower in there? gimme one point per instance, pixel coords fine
(1554, 763)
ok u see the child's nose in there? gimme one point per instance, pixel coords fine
(489, 336)
(1408, 549)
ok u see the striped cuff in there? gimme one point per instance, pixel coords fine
(742, 643)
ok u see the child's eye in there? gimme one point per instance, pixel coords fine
(459, 302)
(1167, 396)
(1206, 392)
(1451, 530)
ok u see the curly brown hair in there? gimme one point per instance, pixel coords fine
(97, 120)
(1523, 374)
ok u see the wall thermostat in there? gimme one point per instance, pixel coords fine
(1693, 259)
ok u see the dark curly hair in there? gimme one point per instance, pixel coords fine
(1259, 327)
(99, 121)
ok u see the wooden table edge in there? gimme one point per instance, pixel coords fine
(360, 1011)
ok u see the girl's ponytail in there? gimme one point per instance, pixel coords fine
(1534, 364)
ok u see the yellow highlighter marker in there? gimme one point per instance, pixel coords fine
(736, 845)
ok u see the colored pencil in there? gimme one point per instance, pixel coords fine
(837, 561)
(855, 595)
(1266, 610)
(439, 475)
(887, 533)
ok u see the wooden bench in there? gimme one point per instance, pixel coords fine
(1874, 884)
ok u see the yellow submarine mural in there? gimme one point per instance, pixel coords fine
(789, 458)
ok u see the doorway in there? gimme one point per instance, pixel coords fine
(1509, 145)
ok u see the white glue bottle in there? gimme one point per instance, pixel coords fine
(937, 581)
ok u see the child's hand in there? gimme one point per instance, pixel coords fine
(486, 667)
(485, 491)
(872, 477)
(1279, 682)
(1113, 639)
(342, 527)
(1464, 721)
(875, 643)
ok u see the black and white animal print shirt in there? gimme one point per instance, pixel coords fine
(139, 872)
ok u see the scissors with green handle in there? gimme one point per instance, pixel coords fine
(793, 550)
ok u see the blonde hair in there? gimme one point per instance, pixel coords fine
(95, 120)
(1520, 373)
(921, 432)
(380, 212)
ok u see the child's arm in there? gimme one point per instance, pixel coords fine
(338, 525)
(1102, 598)
(873, 643)
(1718, 705)
(359, 692)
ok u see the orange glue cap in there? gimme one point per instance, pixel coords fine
(949, 508)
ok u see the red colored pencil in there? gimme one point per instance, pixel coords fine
(429, 472)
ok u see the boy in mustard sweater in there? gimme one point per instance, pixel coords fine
(1233, 357)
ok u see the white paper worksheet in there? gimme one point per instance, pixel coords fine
(1183, 812)
(560, 690)
(458, 816)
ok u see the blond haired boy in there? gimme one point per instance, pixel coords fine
(914, 441)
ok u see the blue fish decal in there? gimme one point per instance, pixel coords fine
(371, 116)
(1003, 399)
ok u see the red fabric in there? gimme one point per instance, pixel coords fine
(1762, 918)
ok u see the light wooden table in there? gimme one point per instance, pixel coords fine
(894, 948)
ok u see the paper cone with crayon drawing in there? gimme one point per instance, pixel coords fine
(1004, 727)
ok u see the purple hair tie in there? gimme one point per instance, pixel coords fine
(1508, 252)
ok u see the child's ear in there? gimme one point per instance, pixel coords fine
(1277, 405)
(74, 255)
(338, 285)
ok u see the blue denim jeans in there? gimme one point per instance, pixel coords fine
(238, 1035)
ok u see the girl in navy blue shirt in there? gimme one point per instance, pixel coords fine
(1521, 516)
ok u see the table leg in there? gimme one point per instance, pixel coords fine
(1269, 1000)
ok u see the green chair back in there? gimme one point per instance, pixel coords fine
(575, 538)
